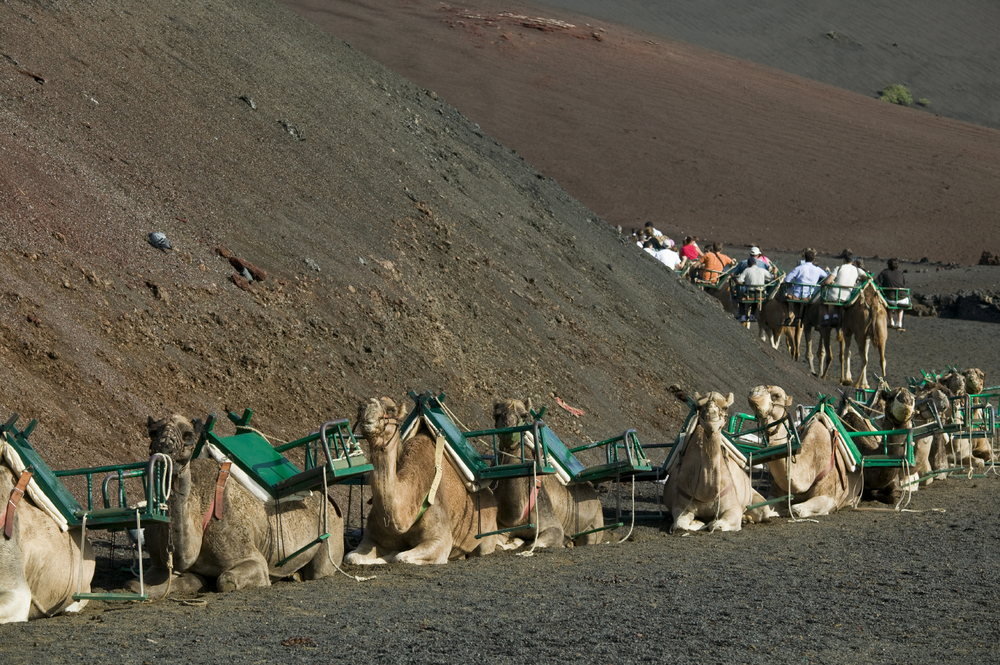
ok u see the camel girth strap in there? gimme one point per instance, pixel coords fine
(215, 508)
(15, 497)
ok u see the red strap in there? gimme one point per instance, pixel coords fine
(833, 459)
(531, 498)
(217, 498)
(15, 496)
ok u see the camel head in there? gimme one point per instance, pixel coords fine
(712, 410)
(939, 397)
(765, 400)
(175, 436)
(954, 382)
(975, 380)
(899, 405)
(511, 413)
(376, 416)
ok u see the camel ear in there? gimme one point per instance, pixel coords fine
(152, 426)
(729, 400)
(697, 397)
(527, 405)
(197, 426)
(788, 400)
(400, 410)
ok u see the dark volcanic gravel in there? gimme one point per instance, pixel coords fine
(856, 587)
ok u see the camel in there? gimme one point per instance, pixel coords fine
(723, 292)
(975, 383)
(810, 320)
(421, 511)
(706, 487)
(557, 510)
(243, 548)
(883, 483)
(771, 325)
(866, 321)
(931, 450)
(962, 451)
(819, 476)
(39, 563)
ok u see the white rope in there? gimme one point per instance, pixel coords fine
(534, 482)
(325, 499)
(632, 525)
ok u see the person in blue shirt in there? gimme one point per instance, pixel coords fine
(805, 278)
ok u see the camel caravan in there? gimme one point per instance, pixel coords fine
(846, 304)
(235, 511)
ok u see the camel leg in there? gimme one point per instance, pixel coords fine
(488, 545)
(818, 505)
(250, 573)
(327, 554)
(685, 520)
(15, 594)
(730, 519)
(845, 358)
(762, 514)
(863, 375)
(825, 352)
(433, 551)
(368, 553)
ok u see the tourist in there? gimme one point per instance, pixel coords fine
(714, 262)
(893, 286)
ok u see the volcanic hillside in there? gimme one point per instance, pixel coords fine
(640, 127)
(404, 249)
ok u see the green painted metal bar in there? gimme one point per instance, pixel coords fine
(603, 528)
(301, 550)
(111, 596)
(510, 528)
(754, 506)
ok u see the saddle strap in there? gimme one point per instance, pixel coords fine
(218, 502)
(15, 496)
(531, 498)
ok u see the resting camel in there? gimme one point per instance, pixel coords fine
(931, 450)
(961, 451)
(819, 476)
(242, 549)
(707, 488)
(884, 483)
(866, 321)
(411, 520)
(39, 563)
(558, 510)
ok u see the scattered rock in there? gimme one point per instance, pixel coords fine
(60, 237)
(240, 265)
(293, 130)
(240, 281)
(159, 241)
(249, 101)
(989, 259)
(312, 264)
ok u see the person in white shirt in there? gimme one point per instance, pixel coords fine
(667, 256)
(842, 280)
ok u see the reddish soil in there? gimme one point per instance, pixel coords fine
(639, 127)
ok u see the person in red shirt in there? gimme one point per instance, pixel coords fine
(689, 250)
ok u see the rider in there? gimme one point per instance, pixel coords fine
(891, 280)
(753, 278)
(714, 262)
(841, 283)
(804, 277)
